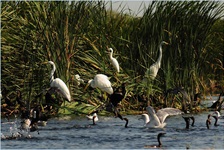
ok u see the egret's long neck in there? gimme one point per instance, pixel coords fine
(92, 83)
(160, 55)
(111, 55)
(52, 73)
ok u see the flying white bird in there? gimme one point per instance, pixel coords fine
(113, 60)
(157, 120)
(154, 68)
(102, 82)
(59, 84)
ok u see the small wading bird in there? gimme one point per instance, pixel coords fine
(93, 117)
(102, 82)
(113, 60)
(154, 68)
(158, 139)
(157, 120)
(58, 84)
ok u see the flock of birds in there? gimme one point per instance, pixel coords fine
(153, 119)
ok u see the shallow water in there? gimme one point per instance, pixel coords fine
(110, 133)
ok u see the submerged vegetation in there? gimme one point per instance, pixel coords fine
(76, 35)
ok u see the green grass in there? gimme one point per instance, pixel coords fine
(75, 37)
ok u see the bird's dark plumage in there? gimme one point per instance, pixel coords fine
(117, 96)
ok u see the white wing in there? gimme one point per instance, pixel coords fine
(165, 112)
(154, 120)
(62, 87)
(146, 119)
(101, 81)
(90, 117)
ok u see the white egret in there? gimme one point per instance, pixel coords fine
(154, 68)
(59, 84)
(113, 60)
(157, 120)
(102, 82)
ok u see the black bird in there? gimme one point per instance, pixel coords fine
(216, 120)
(159, 142)
(94, 120)
(208, 121)
(118, 95)
(187, 120)
(126, 124)
(115, 99)
(193, 120)
(38, 115)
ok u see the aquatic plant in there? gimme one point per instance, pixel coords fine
(74, 35)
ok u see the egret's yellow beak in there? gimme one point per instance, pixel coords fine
(107, 51)
(166, 43)
(86, 86)
(46, 62)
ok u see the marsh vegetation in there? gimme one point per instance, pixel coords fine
(75, 37)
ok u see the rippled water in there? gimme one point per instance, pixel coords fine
(109, 132)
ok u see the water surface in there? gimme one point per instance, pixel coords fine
(110, 133)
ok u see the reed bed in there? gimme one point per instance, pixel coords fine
(75, 36)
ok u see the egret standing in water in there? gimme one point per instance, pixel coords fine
(58, 84)
(113, 60)
(102, 82)
(154, 68)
